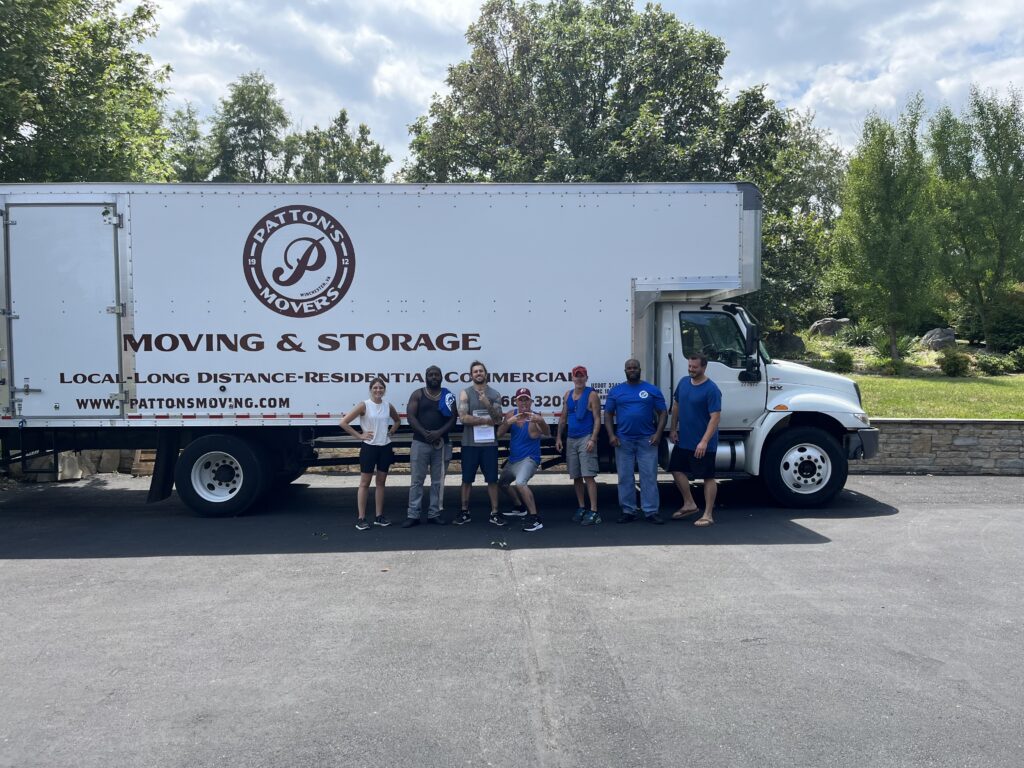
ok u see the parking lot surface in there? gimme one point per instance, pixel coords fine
(885, 630)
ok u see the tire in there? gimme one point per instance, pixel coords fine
(220, 475)
(804, 467)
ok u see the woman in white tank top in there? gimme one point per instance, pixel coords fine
(375, 454)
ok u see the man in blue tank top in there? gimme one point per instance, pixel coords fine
(581, 417)
(696, 411)
(635, 416)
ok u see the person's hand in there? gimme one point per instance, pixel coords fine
(558, 444)
(614, 440)
(367, 437)
(430, 437)
(591, 445)
(655, 439)
(674, 435)
(701, 449)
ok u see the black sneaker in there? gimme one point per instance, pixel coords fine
(436, 520)
(534, 524)
(521, 512)
(462, 518)
(411, 522)
(496, 519)
(656, 519)
(626, 517)
(381, 522)
(362, 525)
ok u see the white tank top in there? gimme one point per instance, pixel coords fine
(376, 420)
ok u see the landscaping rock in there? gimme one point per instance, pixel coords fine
(939, 338)
(828, 326)
(785, 345)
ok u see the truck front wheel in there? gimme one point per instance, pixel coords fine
(804, 467)
(219, 475)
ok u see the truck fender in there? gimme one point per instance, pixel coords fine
(806, 415)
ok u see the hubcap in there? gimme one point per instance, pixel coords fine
(216, 476)
(805, 468)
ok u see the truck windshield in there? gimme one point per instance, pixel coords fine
(713, 333)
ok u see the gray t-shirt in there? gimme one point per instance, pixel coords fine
(476, 408)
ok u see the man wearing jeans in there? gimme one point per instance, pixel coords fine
(635, 416)
(431, 413)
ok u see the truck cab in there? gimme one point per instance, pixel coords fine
(793, 426)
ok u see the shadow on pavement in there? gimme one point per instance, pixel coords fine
(91, 520)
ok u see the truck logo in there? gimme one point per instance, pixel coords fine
(299, 261)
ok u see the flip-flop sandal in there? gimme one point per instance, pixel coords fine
(681, 515)
(703, 523)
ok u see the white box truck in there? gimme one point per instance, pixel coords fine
(230, 326)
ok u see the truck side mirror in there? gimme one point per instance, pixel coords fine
(753, 336)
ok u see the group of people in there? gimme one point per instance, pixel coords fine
(635, 416)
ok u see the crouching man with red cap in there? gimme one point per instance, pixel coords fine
(527, 428)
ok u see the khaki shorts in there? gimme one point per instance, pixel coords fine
(581, 463)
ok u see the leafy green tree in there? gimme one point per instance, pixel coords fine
(979, 196)
(590, 91)
(187, 147)
(78, 101)
(884, 237)
(335, 154)
(247, 132)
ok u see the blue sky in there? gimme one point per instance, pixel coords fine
(382, 59)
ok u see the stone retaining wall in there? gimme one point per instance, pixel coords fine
(946, 447)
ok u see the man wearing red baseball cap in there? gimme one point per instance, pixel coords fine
(581, 414)
(527, 428)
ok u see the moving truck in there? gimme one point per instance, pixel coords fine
(231, 326)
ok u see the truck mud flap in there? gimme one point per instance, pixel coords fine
(162, 482)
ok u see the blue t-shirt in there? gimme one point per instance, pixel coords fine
(635, 407)
(521, 445)
(696, 404)
(581, 420)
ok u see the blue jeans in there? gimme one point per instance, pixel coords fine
(637, 453)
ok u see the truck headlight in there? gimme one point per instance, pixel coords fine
(863, 419)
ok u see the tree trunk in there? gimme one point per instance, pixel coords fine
(894, 353)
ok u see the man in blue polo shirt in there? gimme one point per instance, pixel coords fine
(696, 411)
(635, 418)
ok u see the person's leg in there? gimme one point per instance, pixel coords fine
(524, 472)
(435, 461)
(710, 492)
(589, 469)
(591, 492)
(489, 465)
(625, 461)
(689, 504)
(378, 495)
(578, 485)
(362, 493)
(470, 463)
(419, 461)
(647, 462)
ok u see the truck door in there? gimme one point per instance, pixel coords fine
(717, 334)
(64, 310)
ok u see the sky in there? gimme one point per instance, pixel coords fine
(382, 60)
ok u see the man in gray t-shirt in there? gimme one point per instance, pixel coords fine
(480, 412)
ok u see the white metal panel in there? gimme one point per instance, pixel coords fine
(62, 270)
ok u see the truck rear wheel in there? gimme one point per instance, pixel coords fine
(804, 467)
(219, 475)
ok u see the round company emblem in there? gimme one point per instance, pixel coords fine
(299, 261)
(643, 395)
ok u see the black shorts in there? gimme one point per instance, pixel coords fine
(377, 458)
(683, 460)
(482, 457)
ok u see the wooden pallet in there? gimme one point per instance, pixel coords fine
(143, 463)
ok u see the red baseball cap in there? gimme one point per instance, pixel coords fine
(523, 392)
(579, 369)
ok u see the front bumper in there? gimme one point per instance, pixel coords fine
(862, 444)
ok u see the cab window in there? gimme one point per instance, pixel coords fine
(713, 333)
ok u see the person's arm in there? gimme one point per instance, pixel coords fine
(702, 446)
(447, 427)
(396, 421)
(411, 410)
(494, 409)
(506, 423)
(351, 416)
(609, 422)
(467, 418)
(563, 420)
(538, 427)
(673, 428)
(662, 417)
(595, 409)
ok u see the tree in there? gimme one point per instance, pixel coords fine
(884, 237)
(334, 155)
(77, 100)
(246, 136)
(188, 152)
(596, 91)
(979, 196)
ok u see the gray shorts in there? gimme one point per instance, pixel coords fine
(581, 463)
(520, 472)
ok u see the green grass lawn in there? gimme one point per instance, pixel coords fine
(938, 397)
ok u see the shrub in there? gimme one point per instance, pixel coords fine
(858, 334)
(991, 365)
(905, 345)
(953, 362)
(1006, 322)
(1016, 358)
(842, 361)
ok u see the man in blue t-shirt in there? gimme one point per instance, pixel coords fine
(635, 416)
(696, 411)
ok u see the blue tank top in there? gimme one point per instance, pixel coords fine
(581, 419)
(521, 445)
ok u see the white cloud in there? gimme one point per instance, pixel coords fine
(405, 79)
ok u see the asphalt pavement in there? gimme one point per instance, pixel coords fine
(885, 630)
